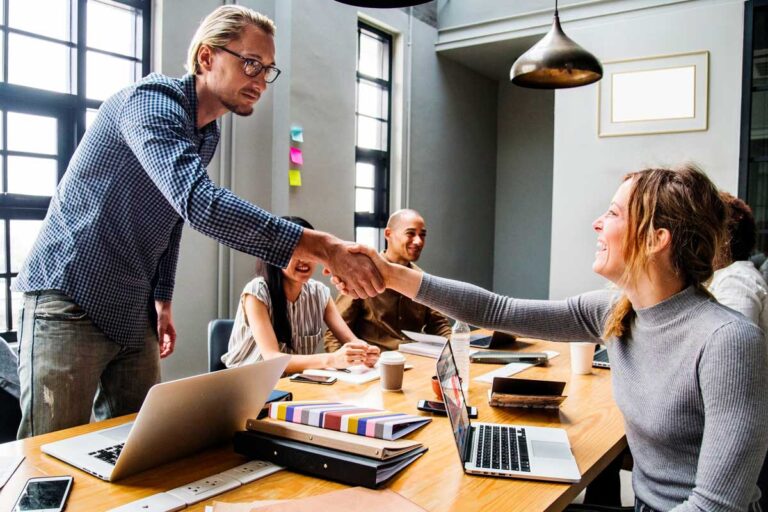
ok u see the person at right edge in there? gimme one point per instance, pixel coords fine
(689, 374)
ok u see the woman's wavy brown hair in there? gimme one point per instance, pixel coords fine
(686, 203)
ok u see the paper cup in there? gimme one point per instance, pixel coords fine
(581, 358)
(391, 367)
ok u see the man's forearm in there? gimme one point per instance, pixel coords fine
(314, 246)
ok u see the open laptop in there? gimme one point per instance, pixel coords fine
(494, 449)
(600, 359)
(494, 341)
(177, 418)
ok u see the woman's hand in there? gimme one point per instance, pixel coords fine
(350, 354)
(372, 355)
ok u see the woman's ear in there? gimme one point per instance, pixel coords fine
(662, 240)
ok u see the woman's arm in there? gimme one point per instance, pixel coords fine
(733, 377)
(579, 318)
(264, 336)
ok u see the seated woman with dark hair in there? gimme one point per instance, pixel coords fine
(282, 311)
(737, 283)
(689, 375)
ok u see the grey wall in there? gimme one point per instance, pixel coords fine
(588, 169)
(523, 192)
(452, 150)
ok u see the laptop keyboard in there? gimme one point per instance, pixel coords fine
(502, 447)
(110, 454)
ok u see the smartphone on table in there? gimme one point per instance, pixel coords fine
(312, 379)
(439, 408)
(44, 494)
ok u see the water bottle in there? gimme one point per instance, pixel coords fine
(460, 347)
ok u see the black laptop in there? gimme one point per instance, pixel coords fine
(495, 341)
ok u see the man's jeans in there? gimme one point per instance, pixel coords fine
(67, 366)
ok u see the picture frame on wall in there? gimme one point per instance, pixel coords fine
(654, 95)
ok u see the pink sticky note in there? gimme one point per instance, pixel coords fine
(296, 156)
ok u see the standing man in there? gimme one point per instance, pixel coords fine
(380, 320)
(107, 252)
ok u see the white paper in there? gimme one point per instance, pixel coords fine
(426, 338)
(512, 368)
(8, 465)
(353, 377)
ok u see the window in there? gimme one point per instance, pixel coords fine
(59, 59)
(373, 109)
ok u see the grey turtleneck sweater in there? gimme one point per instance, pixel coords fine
(690, 380)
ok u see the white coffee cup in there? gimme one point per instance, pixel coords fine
(581, 358)
(391, 368)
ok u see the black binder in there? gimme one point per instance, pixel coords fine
(322, 462)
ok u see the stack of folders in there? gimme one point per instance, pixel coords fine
(328, 452)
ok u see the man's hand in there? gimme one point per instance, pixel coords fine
(166, 332)
(355, 270)
(381, 265)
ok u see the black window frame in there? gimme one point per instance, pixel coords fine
(381, 160)
(69, 110)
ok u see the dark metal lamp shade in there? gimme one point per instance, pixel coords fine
(383, 4)
(555, 62)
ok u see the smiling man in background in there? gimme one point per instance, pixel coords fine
(380, 320)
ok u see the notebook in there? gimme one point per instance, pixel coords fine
(493, 449)
(353, 419)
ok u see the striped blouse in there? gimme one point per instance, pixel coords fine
(305, 315)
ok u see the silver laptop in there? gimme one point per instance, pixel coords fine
(512, 451)
(177, 418)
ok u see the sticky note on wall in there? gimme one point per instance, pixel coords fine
(297, 134)
(296, 156)
(294, 177)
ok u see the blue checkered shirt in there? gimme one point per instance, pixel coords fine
(110, 239)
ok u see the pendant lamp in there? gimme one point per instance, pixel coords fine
(555, 62)
(383, 4)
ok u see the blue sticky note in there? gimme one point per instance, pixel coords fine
(297, 134)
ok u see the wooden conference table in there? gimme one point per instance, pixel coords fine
(435, 481)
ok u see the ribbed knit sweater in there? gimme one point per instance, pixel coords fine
(690, 379)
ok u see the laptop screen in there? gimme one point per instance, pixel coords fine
(453, 396)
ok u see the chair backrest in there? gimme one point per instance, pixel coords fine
(218, 339)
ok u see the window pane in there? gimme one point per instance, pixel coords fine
(364, 200)
(33, 134)
(367, 236)
(371, 100)
(16, 302)
(2, 246)
(759, 135)
(33, 176)
(112, 28)
(3, 318)
(373, 56)
(1, 126)
(2, 54)
(364, 175)
(27, 67)
(90, 117)
(371, 133)
(47, 17)
(23, 235)
(105, 75)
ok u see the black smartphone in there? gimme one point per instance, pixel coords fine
(439, 408)
(44, 494)
(312, 379)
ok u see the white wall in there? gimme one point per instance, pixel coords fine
(588, 169)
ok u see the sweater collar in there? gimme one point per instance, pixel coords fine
(670, 308)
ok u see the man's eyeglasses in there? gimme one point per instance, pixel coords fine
(252, 67)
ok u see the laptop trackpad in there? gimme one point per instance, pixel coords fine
(119, 433)
(551, 450)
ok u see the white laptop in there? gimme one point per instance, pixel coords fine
(177, 418)
(512, 451)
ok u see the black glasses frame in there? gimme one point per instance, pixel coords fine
(256, 66)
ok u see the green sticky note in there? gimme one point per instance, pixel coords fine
(294, 177)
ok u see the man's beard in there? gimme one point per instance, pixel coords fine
(240, 110)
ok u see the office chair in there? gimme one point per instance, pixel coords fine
(10, 410)
(218, 338)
